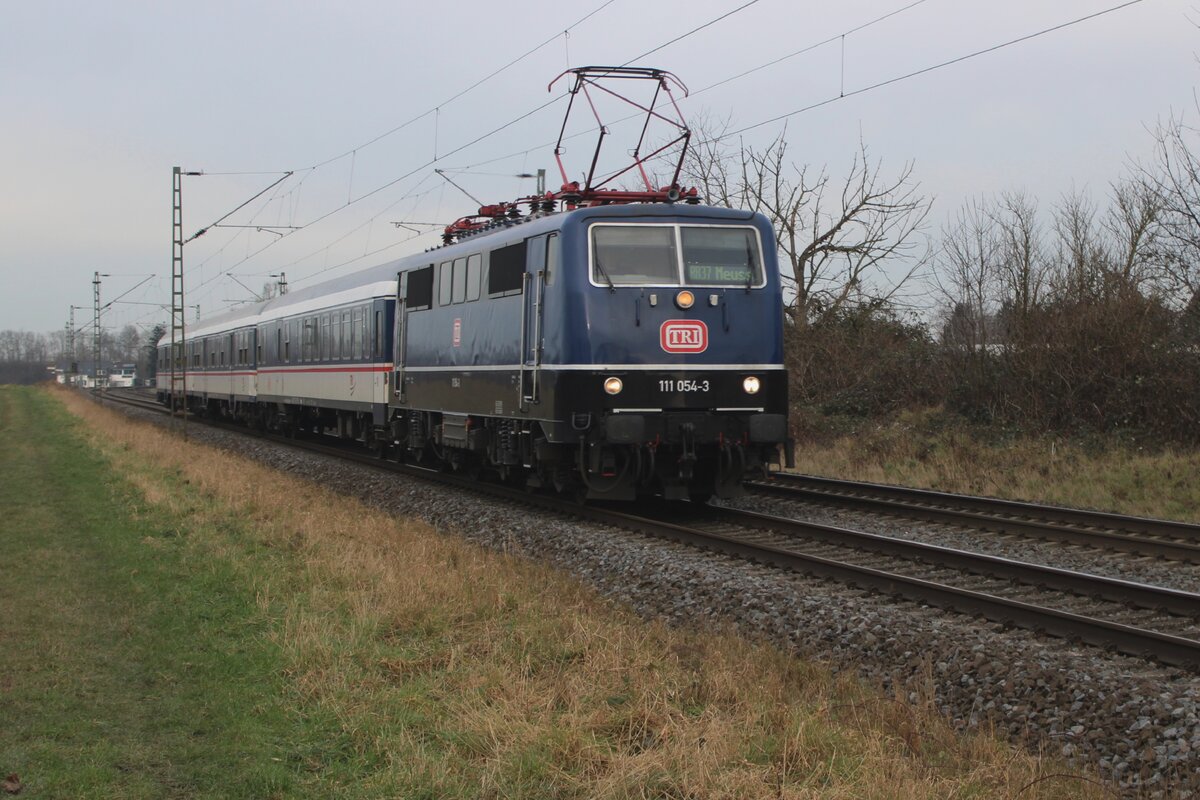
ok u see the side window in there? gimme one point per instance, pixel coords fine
(419, 291)
(346, 344)
(445, 272)
(506, 271)
(310, 338)
(552, 257)
(355, 332)
(379, 334)
(324, 337)
(474, 273)
(364, 341)
(460, 280)
(287, 341)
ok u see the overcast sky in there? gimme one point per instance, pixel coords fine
(100, 100)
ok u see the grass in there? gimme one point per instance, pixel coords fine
(933, 449)
(191, 624)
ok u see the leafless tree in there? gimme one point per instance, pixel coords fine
(969, 274)
(1136, 258)
(1022, 266)
(1173, 179)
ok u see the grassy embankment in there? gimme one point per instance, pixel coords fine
(175, 621)
(936, 450)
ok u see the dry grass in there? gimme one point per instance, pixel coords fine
(453, 671)
(927, 449)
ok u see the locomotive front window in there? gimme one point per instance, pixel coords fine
(720, 257)
(676, 255)
(634, 254)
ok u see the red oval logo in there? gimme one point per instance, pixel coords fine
(683, 336)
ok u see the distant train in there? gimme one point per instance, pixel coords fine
(609, 350)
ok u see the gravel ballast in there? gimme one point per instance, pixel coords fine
(1135, 722)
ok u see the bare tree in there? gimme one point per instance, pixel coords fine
(1132, 226)
(1022, 267)
(1173, 179)
(969, 274)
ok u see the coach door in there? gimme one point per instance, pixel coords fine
(400, 343)
(533, 328)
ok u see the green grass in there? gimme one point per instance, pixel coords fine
(132, 664)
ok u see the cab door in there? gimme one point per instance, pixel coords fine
(533, 329)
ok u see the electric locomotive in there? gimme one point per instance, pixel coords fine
(608, 350)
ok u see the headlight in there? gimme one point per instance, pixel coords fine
(685, 299)
(751, 385)
(613, 385)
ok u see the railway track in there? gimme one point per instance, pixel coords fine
(1131, 618)
(1167, 539)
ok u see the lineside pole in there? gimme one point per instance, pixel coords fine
(96, 332)
(178, 309)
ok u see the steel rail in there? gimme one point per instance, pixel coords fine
(1091, 528)
(1164, 647)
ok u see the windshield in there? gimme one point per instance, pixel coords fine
(720, 256)
(650, 255)
(634, 254)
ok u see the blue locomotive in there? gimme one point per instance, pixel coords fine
(629, 343)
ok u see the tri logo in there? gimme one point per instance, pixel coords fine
(683, 336)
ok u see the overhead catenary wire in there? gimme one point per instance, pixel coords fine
(841, 95)
(476, 84)
(897, 79)
(722, 82)
(683, 36)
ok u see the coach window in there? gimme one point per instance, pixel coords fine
(287, 342)
(445, 283)
(355, 332)
(324, 337)
(419, 291)
(474, 273)
(460, 280)
(346, 342)
(506, 270)
(364, 341)
(379, 334)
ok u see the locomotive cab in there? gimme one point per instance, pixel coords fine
(669, 349)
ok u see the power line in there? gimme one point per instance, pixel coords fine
(773, 62)
(474, 85)
(689, 33)
(811, 47)
(931, 68)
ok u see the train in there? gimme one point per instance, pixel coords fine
(610, 351)
(600, 342)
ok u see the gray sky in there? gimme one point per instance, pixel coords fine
(100, 100)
